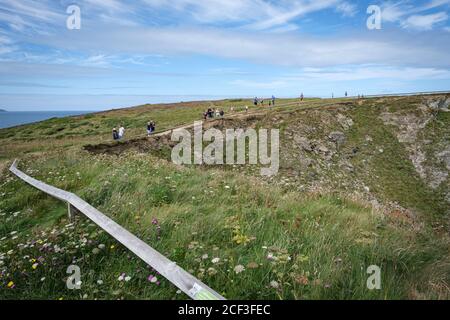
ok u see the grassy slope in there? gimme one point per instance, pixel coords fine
(322, 243)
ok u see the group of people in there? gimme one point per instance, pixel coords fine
(258, 101)
(118, 134)
(210, 113)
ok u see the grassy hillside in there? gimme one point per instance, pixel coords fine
(309, 233)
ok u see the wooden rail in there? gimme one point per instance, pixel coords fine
(190, 285)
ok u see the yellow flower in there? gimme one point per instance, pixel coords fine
(34, 266)
(112, 247)
(10, 284)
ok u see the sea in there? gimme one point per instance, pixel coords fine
(12, 119)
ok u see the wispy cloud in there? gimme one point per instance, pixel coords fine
(425, 22)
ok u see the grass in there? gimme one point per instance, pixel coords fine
(292, 245)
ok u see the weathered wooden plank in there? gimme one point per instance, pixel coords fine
(187, 283)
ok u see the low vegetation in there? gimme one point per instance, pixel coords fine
(310, 233)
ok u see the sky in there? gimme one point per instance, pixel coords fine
(127, 53)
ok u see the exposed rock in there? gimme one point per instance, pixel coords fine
(306, 162)
(346, 123)
(440, 104)
(338, 137)
(444, 156)
(304, 143)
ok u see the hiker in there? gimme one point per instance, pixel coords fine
(205, 115)
(150, 128)
(346, 94)
(302, 97)
(222, 113)
(255, 102)
(115, 134)
(210, 113)
(121, 132)
(273, 100)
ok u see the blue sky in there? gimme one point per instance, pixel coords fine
(146, 51)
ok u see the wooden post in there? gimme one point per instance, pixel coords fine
(71, 211)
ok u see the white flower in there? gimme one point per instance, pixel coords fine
(239, 268)
(215, 260)
(121, 277)
(274, 284)
(127, 278)
(42, 279)
(101, 246)
(99, 282)
(205, 256)
(154, 280)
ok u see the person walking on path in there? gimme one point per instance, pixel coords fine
(150, 128)
(302, 97)
(121, 132)
(115, 134)
(273, 100)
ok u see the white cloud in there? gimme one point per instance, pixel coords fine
(347, 9)
(331, 76)
(276, 49)
(425, 22)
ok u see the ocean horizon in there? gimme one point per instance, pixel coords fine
(10, 119)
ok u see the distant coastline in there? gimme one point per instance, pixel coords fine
(3, 110)
(9, 119)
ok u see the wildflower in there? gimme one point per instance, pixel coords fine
(274, 284)
(152, 279)
(99, 282)
(178, 291)
(239, 268)
(35, 265)
(205, 256)
(121, 277)
(101, 246)
(212, 271)
(127, 278)
(11, 285)
(95, 251)
(42, 279)
(112, 247)
(252, 265)
(215, 260)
